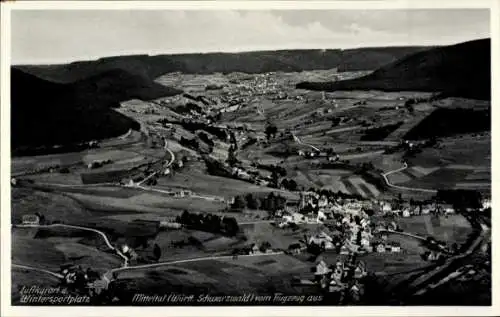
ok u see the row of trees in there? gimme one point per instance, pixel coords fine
(461, 199)
(209, 223)
(271, 202)
(281, 171)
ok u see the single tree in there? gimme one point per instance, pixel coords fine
(157, 252)
(271, 131)
(239, 203)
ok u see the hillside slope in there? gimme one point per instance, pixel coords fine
(45, 113)
(461, 70)
(248, 62)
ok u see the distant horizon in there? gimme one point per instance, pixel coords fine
(244, 52)
(52, 37)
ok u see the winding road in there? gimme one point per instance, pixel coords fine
(299, 141)
(403, 234)
(31, 268)
(102, 234)
(172, 159)
(109, 275)
(384, 175)
(405, 166)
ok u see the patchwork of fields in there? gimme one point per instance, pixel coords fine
(449, 176)
(337, 180)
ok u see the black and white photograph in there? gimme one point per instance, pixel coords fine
(232, 156)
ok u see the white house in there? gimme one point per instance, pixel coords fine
(364, 222)
(321, 216)
(335, 286)
(393, 247)
(365, 242)
(322, 268)
(449, 211)
(380, 248)
(406, 213)
(486, 203)
(294, 218)
(426, 209)
(323, 202)
(386, 207)
(359, 271)
(344, 250)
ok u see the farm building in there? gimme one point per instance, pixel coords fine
(31, 220)
(406, 213)
(393, 247)
(322, 269)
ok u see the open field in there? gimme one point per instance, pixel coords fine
(279, 238)
(26, 278)
(464, 150)
(35, 252)
(336, 180)
(201, 183)
(185, 243)
(54, 206)
(220, 277)
(114, 149)
(441, 178)
(450, 228)
(345, 122)
(384, 263)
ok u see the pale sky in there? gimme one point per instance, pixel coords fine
(60, 36)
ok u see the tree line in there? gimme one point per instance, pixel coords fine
(271, 202)
(209, 222)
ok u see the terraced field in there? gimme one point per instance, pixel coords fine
(337, 180)
(451, 176)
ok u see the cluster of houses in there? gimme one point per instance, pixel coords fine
(353, 231)
(331, 157)
(406, 209)
(86, 281)
(344, 276)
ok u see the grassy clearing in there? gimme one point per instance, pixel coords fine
(56, 178)
(276, 263)
(397, 178)
(279, 238)
(102, 191)
(215, 185)
(441, 178)
(364, 188)
(451, 228)
(188, 203)
(112, 204)
(217, 277)
(38, 253)
(26, 278)
(114, 155)
(88, 256)
(53, 206)
(465, 150)
(386, 263)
